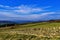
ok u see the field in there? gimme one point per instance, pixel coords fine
(31, 31)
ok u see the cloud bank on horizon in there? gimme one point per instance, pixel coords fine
(28, 12)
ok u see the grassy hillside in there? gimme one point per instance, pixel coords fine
(31, 31)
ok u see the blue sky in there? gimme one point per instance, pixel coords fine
(33, 10)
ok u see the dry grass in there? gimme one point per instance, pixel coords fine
(39, 31)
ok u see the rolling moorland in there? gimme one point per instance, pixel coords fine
(48, 30)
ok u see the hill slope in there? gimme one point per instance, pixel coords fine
(32, 31)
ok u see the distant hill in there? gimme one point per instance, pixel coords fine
(10, 23)
(53, 21)
(7, 23)
(21, 22)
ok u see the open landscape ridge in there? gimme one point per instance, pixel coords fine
(31, 31)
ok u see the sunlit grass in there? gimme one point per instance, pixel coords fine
(32, 31)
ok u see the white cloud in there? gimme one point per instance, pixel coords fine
(26, 11)
(33, 17)
(5, 6)
(25, 17)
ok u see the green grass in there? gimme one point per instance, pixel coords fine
(31, 31)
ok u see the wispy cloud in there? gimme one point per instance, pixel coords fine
(27, 9)
(24, 12)
(4, 6)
